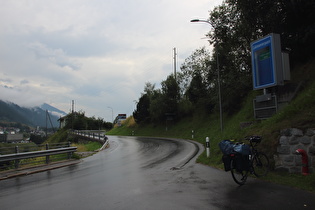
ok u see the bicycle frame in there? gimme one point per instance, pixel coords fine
(258, 162)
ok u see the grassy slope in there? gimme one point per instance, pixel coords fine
(300, 113)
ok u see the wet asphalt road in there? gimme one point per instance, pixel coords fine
(145, 173)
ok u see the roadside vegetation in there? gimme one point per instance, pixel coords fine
(209, 126)
(83, 145)
(299, 113)
(61, 137)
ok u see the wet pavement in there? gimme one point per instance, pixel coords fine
(145, 173)
(35, 169)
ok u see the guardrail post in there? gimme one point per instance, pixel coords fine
(17, 161)
(69, 153)
(47, 156)
(17, 156)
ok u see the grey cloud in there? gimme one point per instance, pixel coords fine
(5, 86)
(6, 80)
(88, 90)
(54, 55)
(91, 44)
(24, 81)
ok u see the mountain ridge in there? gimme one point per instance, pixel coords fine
(52, 109)
(34, 116)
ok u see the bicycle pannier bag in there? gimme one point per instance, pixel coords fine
(227, 162)
(226, 147)
(243, 149)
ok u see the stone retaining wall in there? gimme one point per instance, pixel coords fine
(292, 139)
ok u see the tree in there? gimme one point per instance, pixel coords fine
(196, 63)
(149, 89)
(199, 80)
(293, 20)
(235, 24)
(142, 114)
(78, 121)
(37, 139)
(157, 107)
(170, 90)
(231, 39)
(165, 101)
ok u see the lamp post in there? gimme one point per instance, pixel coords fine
(112, 113)
(219, 80)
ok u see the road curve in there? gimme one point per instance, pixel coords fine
(145, 173)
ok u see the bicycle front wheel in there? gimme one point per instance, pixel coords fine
(239, 175)
(260, 164)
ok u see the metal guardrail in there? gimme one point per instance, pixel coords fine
(17, 156)
(19, 148)
(92, 134)
(25, 155)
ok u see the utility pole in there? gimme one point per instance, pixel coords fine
(175, 63)
(72, 106)
(72, 115)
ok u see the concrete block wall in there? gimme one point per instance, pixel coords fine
(290, 140)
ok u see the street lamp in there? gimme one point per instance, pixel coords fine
(112, 113)
(218, 70)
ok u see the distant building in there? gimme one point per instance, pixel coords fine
(120, 118)
(62, 121)
(11, 138)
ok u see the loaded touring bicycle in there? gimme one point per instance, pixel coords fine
(242, 159)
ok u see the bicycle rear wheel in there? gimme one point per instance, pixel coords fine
(239, 175)
(260, 164)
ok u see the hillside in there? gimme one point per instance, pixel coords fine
(299, 113)
(35, 116)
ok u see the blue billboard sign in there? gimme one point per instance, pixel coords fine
(266, 62)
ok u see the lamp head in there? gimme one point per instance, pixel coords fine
(194, 20)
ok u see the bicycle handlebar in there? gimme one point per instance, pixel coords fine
(255, 139)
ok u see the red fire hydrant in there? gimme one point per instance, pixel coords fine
(304, 161)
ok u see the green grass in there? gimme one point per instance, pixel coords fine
(9, 148)
(60, 136)
(91, 146)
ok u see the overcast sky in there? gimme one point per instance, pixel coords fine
(99, 53)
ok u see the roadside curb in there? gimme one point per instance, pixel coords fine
(22, 172)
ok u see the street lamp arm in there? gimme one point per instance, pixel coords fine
(198, 20)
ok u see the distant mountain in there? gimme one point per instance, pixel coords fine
(53, 110)
(36, 116)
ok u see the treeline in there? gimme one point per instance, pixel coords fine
(78, 121)
(235, 24)
(22, 127)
